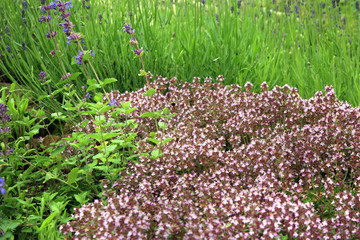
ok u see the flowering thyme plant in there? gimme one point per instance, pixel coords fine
(241, 165)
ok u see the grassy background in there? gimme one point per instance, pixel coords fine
(257, 41)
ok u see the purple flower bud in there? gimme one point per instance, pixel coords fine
(24, 3)
(79, 58)
(42, 75)
(87, 95)
(8, 48)
(128, 29)
(23, 45)
(53, 53)
(138, 52)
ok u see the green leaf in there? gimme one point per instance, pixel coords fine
(149, 92)
(165, 141)
(166, 111)
(156, 154)
(125, 105)
(92, 87)
(48, 220)
(91, 82)
(86, 56)
(110, 135)
(110, 148)
(116, 161)
(148, 114)
(72, 93)
(81, 198)
(109, 80)
(153, 140)
(8, 225)
(72, 175)
(12, 87)
(57, 151)
(162, 125)
(98, 97)
(74, 76)
(57, 91)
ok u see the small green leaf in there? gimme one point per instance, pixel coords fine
(57, 151)
(57, 91)
(162, 125)
(156, 154)
(86, 56)
(166, 111)
(110, 148)
(147, 114)
(153, 140)
(72, 175)
(125, 105)
(98, 97)
(74, 76)
(149, 92)
(92, 87)
(81, 198)
(48, 220)
(109, 80)
(165, 141)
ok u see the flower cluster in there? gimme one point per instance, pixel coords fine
(241, 165)
(80, 56)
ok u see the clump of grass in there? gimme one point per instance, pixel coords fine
(238, 165)
(306, 44)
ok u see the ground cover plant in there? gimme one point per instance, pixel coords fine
(95, 146)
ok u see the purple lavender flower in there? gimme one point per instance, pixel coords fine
(4, 117)
(232, 9)
(24, 3)
(25, 21)
(8, 48)
(53, 34)
(7, 30)
(138, 52)
(87, 95)
(113, 102)
(44, 18)
(23, 45)
(100, 16)
(203, 2)
(73, 37)
(357, 5)
(79, 58)
(2, 189)
(42, 76)
(53, 53)
(238, 3)
(128, 29)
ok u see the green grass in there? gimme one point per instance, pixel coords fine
(185, 40)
